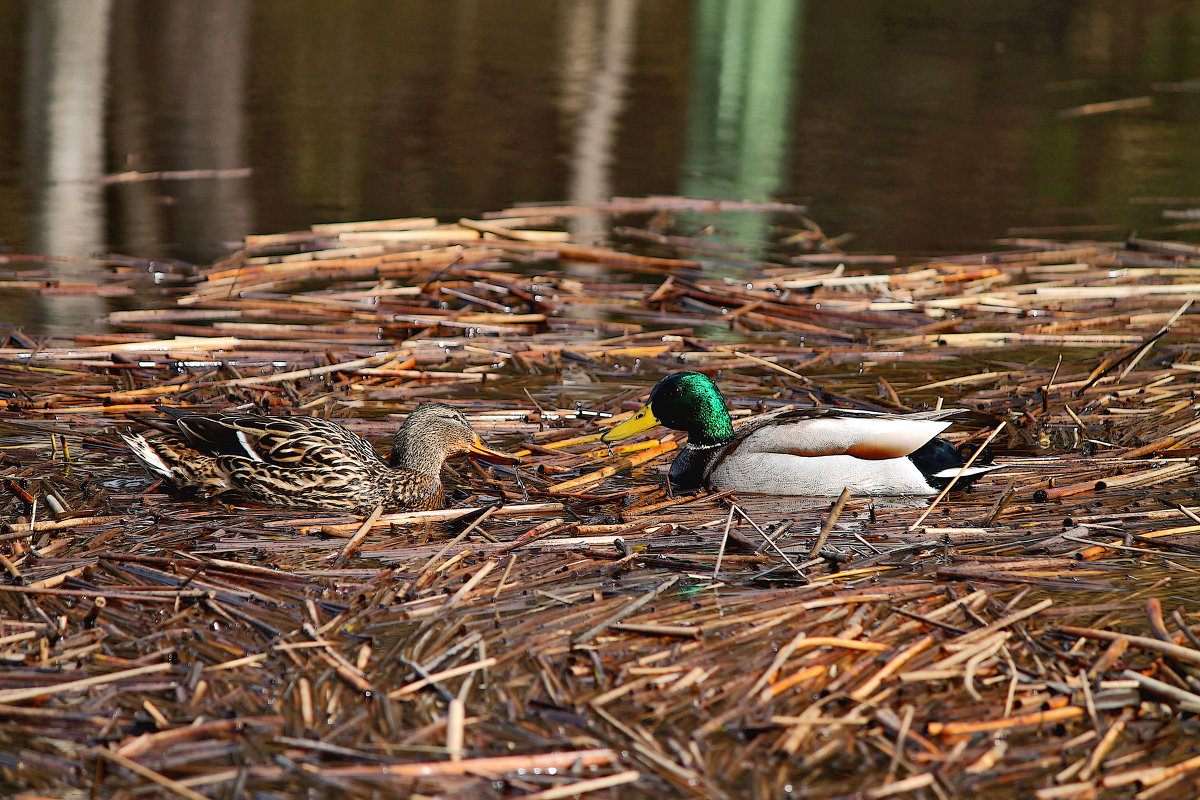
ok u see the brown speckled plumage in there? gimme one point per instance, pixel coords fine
(309, 463)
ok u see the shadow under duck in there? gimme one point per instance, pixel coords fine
(311, 463)
(814, 451)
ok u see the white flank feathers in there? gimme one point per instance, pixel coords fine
(974, 469)
(818, 476)
(248, 446)
(146, 454)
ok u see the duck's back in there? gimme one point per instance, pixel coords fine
(823, 431)
(288, 442)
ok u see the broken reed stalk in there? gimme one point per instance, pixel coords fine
(1001, 501)
(666, 445)
(829, 523)
(624, 612)
(357, 539)
(1163, 331)
(724, 541)
(16, 695)
(171, 785)
(769, 541)
(1167, 648)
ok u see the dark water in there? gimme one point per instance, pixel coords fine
(922, 127)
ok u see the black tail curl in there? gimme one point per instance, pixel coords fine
(938, 455)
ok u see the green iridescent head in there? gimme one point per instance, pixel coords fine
(683, 401)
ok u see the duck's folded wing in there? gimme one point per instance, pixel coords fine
(244, 435)
(819, 432)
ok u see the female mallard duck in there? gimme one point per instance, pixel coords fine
(305, 462)
(807, 451)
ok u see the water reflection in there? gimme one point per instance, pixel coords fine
(176, 105)
(602, 63)
(65, 105)
(181, 104)
(745, 72)
(920, 127)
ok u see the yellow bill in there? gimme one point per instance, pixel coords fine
(484, 453)
(641, 421)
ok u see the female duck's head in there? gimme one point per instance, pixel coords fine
(434, 432)
(683, 401)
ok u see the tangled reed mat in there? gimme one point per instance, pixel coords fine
(567, 628)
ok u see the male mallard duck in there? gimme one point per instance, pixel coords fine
(305, 462)
(807, 451)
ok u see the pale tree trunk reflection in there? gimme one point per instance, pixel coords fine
(65, 90)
